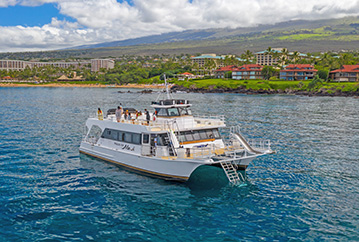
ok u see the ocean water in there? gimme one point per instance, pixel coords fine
(307, 191)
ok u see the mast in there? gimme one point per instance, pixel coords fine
(167, 91)
(169, 96)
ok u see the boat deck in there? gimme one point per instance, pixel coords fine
(175, 123)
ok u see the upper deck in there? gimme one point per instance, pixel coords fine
(157, 124)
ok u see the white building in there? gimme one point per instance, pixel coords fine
(97, 64)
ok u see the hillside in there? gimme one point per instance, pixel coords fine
(300, 35)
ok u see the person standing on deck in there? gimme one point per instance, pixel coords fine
(128, 115)
(99, 114)
(147, 116)
(119, 113)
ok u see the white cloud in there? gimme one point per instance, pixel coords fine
(109, 20)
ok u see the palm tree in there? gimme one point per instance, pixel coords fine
(269, 54)
(295, 56)
(284, 56)
(247, 56)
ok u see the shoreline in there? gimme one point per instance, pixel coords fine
(175, 88)
(241, 90)
(139, 86)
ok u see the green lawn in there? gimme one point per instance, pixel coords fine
(266, 85)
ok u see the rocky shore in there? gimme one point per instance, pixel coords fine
(243, 90)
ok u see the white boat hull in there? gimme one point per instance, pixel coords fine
(168, 169)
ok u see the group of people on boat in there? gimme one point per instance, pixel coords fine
(122, 114)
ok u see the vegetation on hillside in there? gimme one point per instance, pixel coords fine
(314, 85)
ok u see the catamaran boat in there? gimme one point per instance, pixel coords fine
(173, 144)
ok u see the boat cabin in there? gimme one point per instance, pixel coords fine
(172, 108)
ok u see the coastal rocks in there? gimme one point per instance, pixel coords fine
(146, 91)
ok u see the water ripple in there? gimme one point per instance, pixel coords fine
(308, 190)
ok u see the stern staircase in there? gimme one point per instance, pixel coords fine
(231, 173)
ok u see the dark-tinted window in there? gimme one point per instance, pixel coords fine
(198, 135)
(136, 138)
(146, 138)
(127, 137)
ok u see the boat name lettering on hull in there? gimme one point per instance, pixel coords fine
(125, 146)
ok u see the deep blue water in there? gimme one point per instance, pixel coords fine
(307, 191)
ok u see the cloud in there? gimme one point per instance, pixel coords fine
(109, 20)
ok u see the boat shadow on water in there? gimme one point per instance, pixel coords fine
(204, 181)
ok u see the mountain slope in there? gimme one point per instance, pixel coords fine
(345, 29)
(299, 35)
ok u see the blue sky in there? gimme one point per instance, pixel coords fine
(30, 16)
(38, 25)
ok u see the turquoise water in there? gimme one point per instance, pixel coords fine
(308, 190)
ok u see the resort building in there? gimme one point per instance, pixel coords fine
(185, 76)
(220, 72)
(264, 58)
(19, 65)
(97, 64)
(204, 60)
(62, 64)
(297, 72)
(347, 73)
(247, 72)
(15, 65)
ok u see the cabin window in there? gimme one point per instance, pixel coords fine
(209, 134)
(195, 135)
(188, 135)
(185, 111)
(202, 134)
(121, 136)
(136, 139)
(146, 138)
(94, 134)
(216, 134)
(173, 112)
(128, 137)
(161, 112)
(180, 137)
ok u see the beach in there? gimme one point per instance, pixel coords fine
(130, 85)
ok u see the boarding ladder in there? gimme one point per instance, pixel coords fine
(232, 173)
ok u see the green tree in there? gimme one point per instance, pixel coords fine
(268, 71)
(323, 74)
(247, 56)
(316, 82)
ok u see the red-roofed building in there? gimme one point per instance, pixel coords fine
(347, 73)
(247, 72)
(220, 72)
(185, 75)
(298, 72)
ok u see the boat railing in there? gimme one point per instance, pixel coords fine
(195, 153)
(215, 117)
(218, 120)
(260, 144)
(210, 151)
